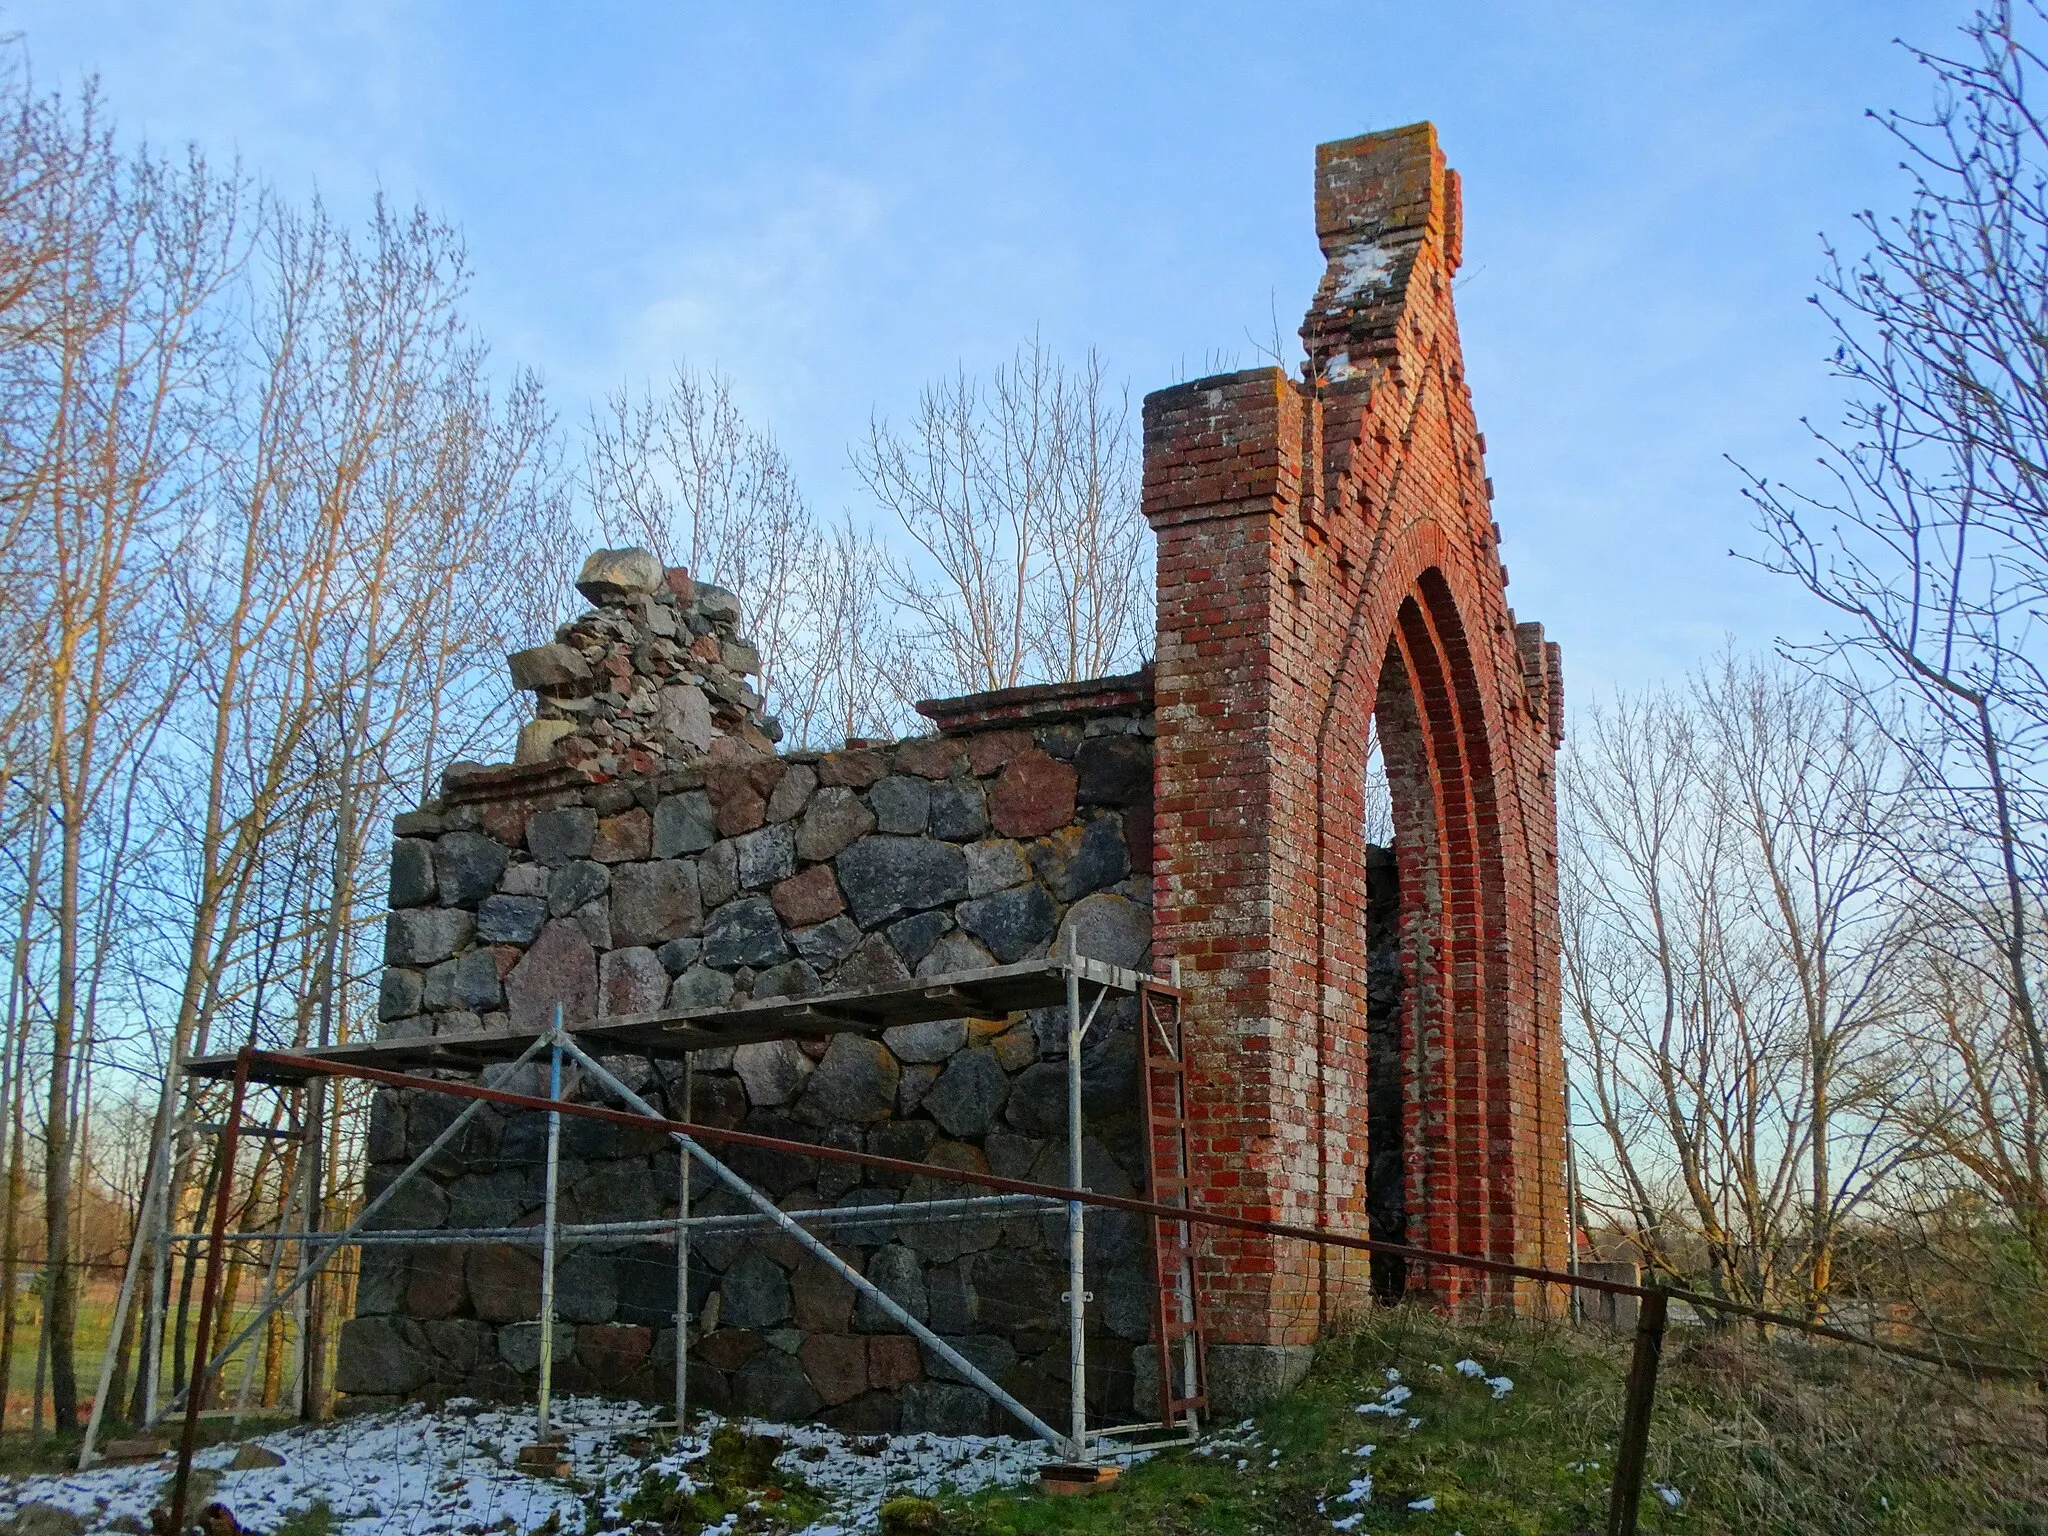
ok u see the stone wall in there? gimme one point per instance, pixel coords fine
(742, 875)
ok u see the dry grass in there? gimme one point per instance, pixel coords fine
(1756, 1436)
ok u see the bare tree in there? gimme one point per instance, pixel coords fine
(1091, 610)
(839, 683)
(1930, 543)
(1020, 499)
(683, 474)
(128, 363)
(1729, 940)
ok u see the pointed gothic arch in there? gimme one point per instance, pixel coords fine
(1327, 557)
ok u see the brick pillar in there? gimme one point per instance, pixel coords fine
(1327, 556)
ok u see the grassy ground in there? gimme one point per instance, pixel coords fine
(95, 1309)
(1749, 1438)
(95, 1313)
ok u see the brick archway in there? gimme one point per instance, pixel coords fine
(1327, 556)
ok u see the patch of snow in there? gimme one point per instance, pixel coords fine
(1389, 1402)
(1471, 1368)
(1348, 1523)
(1671, 1496)
(1360, 269)
(1501, 1386)
(1424, 1506)
(1359, 1491)
(413, 1473)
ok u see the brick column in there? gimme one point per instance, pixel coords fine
(1327, 553)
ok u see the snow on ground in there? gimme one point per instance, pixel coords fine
(414, 1473)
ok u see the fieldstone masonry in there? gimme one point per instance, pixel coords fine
(1373, 1033)
(589, 880)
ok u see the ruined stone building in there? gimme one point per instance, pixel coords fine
(1373, 1033)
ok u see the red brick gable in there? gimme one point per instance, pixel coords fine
(1327, 553)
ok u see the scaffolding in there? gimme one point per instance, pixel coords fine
(1070, 980)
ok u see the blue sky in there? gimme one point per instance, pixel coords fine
(836, 202)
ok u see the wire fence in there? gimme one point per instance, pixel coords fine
(954, 1205)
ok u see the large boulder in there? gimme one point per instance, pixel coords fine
(586, 1289)
(1107, 927)
(510, 919)
(631, 981)
(423, 935)
(576, 885)
(614, 575)
(883, 876)
(959, 811)
(610, 1353)
(953, 953)
(969, 1094)
(400, 994)
(745, 932)
(837, 1366)
(943, 1408)
(685, 713)
(765, 856)
(384, 1355)
(792, 792)
(1113, 770)
(1033, 795)
(897, 1274)
(683, 824)
(700, 987)
(1098, 861)
(504, 1283)
(476, 985)
(623, 838)
(654, 902)
(412, 872)
(792, 978)
(932, 1040)
(834, 818)
(872, 963)
(994, 866)
(810, 898)
(755, 1292)
(1011, 923)
(902, 804)
(772, 1070)
(773, 1386)
(493, 1197)
(561, 967)
(554, 668)
(854, 1085)
(567, 832)
(821, 1298)
(914, 937)
(1037, 1104)
(519, 1345)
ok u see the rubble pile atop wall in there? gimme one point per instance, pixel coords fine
(654, 675)
(743, 875)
